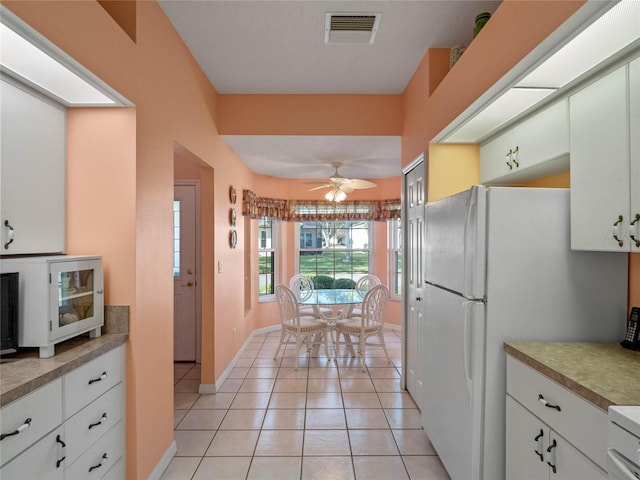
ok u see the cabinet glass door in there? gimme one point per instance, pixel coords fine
(76, 299)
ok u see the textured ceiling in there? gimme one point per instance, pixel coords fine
(268, 46)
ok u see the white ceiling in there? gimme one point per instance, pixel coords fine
(262, 47)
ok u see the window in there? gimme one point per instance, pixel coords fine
(266, 257)
(334, 254)
(176, 238)
(395, 257)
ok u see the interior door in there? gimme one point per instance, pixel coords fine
(415, 190)
(185, 285)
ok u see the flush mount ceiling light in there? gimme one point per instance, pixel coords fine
(351, 28)
(30, 58)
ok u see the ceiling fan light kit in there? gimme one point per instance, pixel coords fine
(340, 185)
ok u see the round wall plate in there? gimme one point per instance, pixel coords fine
(232, 194)
(232, 217)
(233, 239)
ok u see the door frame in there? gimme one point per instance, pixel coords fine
(198, 256)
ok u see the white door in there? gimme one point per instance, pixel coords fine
(415, 190)
(185, 285)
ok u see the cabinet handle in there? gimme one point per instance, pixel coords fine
(104, 457)
(542, 400)
(99, 379)
(22, 427)
(514, 157)
(616, 230)
(418, 299)
(99, 422)
(538, 449)
(9, 235)
(508, 162)
(62, 451)
(552, 454)
(634, 230)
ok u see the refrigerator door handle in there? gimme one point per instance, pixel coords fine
(470, 214)
(466, 349)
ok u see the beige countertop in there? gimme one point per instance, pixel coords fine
(604, 374)
(24, 372)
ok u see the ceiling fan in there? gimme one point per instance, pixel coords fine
(340, 185)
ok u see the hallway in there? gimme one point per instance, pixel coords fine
(324, 421)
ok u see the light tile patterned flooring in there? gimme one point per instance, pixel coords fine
(325, 421)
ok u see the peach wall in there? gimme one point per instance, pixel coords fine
(452, 169)
(310, 114)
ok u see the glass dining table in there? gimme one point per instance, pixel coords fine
(330, 297)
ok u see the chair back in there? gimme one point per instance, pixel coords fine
(364, 284)
(288, 303)
(374, 305)
(302, 287)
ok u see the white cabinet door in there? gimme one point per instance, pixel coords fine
(43, 460)
(599, 144)
(33, 152)
(634, 129)
(526, 441)
(535, 147)
(570, 463)
(542, 138)
(495, 159)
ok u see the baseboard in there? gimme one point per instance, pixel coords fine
(164, 462)
(220, 380)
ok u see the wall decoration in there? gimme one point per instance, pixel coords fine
(233, 239)
(232, 217)
(232, 194)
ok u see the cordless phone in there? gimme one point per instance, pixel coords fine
(632, 338)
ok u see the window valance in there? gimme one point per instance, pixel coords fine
(317, 210)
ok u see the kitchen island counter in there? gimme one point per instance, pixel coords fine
(604, 374)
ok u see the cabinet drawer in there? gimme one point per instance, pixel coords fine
(117, 472)
(88, 382)
(100, 458)
(581, 423)
(89, 424)
(39, 462)
(42, 406)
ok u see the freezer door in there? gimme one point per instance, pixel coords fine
(455, 243)
(453, 373)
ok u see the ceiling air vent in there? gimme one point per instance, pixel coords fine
(350, 28)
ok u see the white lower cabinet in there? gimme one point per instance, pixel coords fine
(86, 442)
(551, 432)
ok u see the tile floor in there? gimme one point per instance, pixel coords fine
(325, 421)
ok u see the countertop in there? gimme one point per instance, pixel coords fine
(604, 374)
(24, 371)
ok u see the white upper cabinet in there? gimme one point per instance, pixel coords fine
(605, 163)
(536, 147)
(33, 173)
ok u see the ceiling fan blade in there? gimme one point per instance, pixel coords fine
(347, 188)
(360, 184)
(321, 186)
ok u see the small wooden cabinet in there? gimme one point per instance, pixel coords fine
(535, 147)
(76, 425)
(605, 162)
(551, 432)
(33, 185)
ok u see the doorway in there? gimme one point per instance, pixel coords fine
(186, 275)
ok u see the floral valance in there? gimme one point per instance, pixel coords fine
(318, 211)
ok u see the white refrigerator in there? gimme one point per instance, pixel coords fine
(498, 268)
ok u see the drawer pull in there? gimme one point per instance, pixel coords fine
(547, 404)
(22, 427)
(62, 451)
(539, 439)
(99, 422)
(91, 469)
(552, 454)
(99, 379)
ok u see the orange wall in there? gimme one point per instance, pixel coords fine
(175, 105)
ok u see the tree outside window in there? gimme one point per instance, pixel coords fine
(266, 257)
(334, 254)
